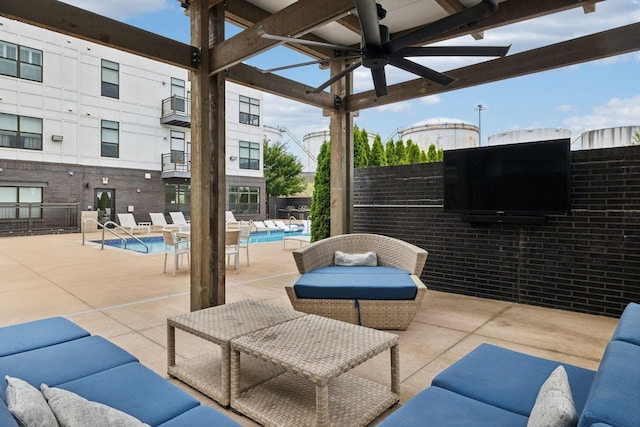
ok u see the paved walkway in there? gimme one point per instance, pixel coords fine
(126, 298)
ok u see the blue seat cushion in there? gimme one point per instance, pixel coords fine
(6, 419)
(615, 394)
(508, 379)
(356, 283)
(204, 416)
(38, 333)
(63, 362)
(135, 389)
(628, 328)
(437, 407)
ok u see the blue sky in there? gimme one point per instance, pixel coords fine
(587, 96)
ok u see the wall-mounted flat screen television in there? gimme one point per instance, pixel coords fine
(529, 179)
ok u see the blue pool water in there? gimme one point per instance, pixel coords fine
(156, 244)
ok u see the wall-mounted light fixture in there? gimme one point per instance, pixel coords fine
(147, 176)
(57, 138)
(87, 185)
(233, 158)
(70, 173)
(105, 181)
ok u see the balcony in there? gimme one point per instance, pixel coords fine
(176, 111)
(176, 164)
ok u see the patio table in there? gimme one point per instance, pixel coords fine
(209, 372)
(315, 390)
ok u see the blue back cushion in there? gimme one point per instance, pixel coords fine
(628, 328)
(202, 415)
(38, 333)
(615, 394)
(63, 362)
(356, 283)
(508, 379)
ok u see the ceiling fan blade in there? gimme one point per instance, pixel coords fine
(302, 64)
(336, 77)
(421, 71)
(368, 16)
(453, 51)
(379, 81)
(481, 10)
(262, 33)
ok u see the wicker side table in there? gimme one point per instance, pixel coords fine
(209, 372)
(315, 389)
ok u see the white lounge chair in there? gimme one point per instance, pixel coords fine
(179, 246)
(179, 219)
(230, 220)
(159, 221)
(289, 228)
(271, 226)
(128, 222)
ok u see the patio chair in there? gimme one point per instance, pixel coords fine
(179, 246)
(128, 222)
(232, 246)
(230, 220)
(245, 235)
(159, 221)
(179, 219)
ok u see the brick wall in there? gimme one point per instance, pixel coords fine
(588, 261)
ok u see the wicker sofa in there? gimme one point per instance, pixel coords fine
(345, 293)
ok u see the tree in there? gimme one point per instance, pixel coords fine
(377, 157)
(432, 154)
(400, 159)
(635, 140)
(360, 157)
(281, 171)
(321, 199)
(390, 153)
(412, 153)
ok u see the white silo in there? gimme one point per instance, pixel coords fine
(528, 135)
(446, 134)
(272, 134)
(608, 137)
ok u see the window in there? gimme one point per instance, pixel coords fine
(177, 197)
(249, 155)
(110, 146)
(110, 79)
(20, 132)
(249, 111)
(177, 95)
(28, 66)
(20, 195)
(244, 200)
(177, 147)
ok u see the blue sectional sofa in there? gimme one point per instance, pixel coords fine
(494, 386)
(60, 354)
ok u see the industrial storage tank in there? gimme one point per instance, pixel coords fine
(607, 137)
(444, 133)
(528, 135)
(272, 134)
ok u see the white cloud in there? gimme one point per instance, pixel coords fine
(615, 112)
(565, 107)
(299, 118)
(121, 9)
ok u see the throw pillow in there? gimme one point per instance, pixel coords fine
(554, 405)
(27, 405)
(76, 411)
(369, 259)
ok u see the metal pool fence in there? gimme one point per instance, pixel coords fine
(22, 219)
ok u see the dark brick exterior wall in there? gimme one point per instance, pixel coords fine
(588, 261)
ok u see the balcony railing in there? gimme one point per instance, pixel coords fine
(176, 111)
(176, 164)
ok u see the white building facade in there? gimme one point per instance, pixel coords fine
(78, 119)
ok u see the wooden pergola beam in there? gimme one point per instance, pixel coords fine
(588, 48)
(73, 21)
(291, 21)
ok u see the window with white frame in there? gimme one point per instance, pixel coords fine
(249, 155)
(110, 76)
(110, 139)
(249, 111)
(20, 132)
(20, 61)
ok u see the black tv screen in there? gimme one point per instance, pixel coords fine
(532, 178)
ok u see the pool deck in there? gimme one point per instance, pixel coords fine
(126, 298)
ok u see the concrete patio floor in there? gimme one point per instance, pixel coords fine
(126, 298)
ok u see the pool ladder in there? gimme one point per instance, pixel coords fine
(117, 226)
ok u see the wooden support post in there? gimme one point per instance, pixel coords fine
(208, 183)
(341, 131)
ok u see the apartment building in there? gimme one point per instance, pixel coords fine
(110, 131)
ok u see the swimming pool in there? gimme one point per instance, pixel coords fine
(156, 243)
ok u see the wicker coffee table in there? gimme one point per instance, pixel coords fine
(209, 372)
(315, 389)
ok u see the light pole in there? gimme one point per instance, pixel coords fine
(480, 108)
